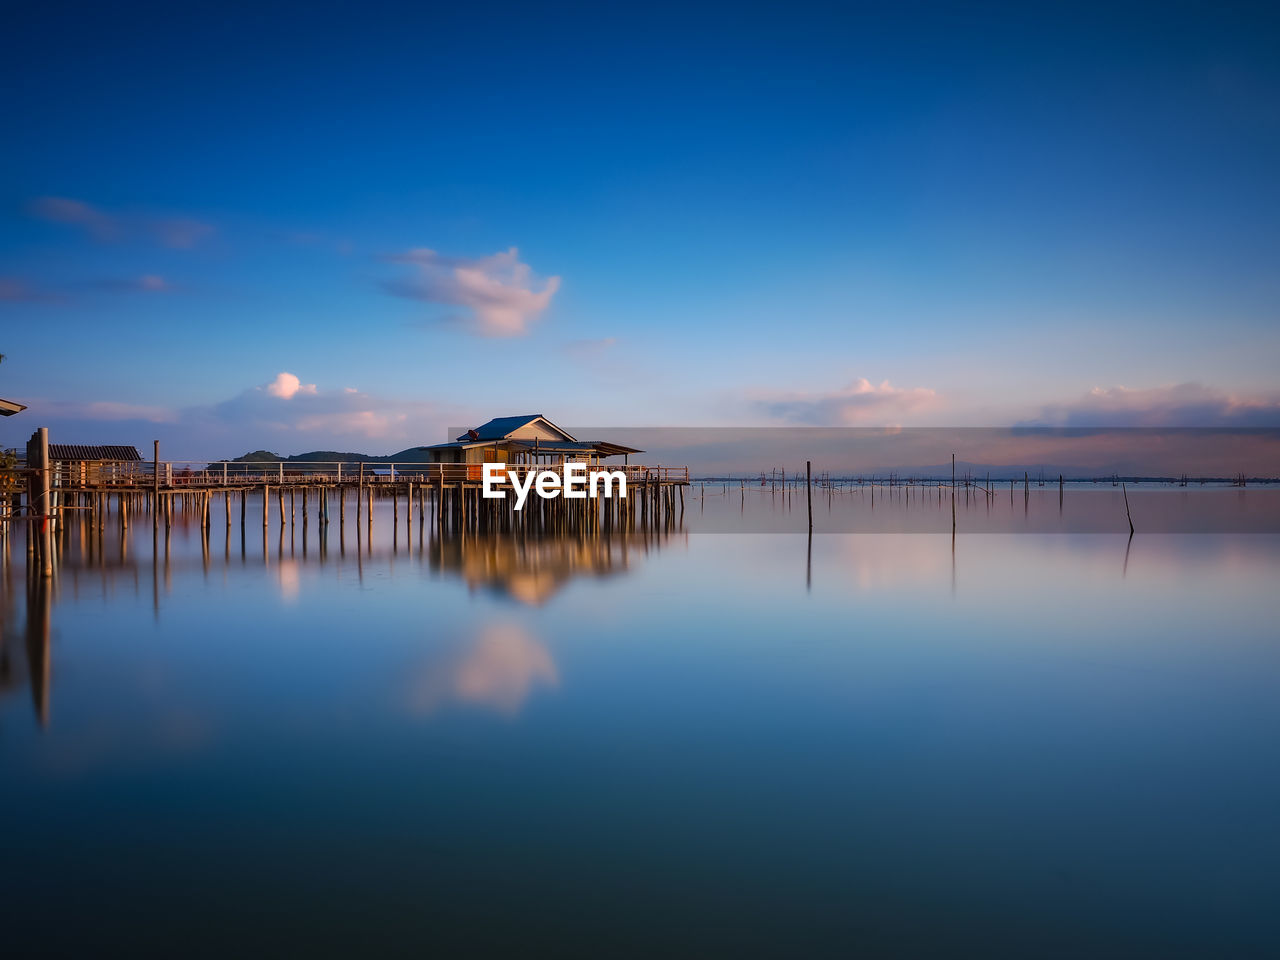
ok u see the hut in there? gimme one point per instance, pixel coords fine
(81, 464)
(527, 439)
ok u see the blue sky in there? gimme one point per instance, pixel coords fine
(723, 215)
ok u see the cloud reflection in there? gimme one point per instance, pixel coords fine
(499, 670)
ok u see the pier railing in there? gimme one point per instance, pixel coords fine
(177, 474)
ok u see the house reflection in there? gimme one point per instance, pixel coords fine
(531, 570)
(504, 662)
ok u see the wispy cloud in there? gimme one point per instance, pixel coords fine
(180, 233)
(590, 349)
(499, 292)
(146, 283)
(175, 232)
(17, 290)
(100, 411)
(861, 402)
(1177, 405)
(77, 213)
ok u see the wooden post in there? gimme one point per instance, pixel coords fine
(155, 489)
(266, 497)
(808, 486)
(46, 532)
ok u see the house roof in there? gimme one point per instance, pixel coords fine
(602, 447)
(463, 444)
(80, 451)
(9, 407)
(500, 428)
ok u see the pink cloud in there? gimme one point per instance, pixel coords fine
(181, 233)
(499, 291)
(95, 222)
(858, 403)
(287, 385)
(15, 290)
(1176, 405)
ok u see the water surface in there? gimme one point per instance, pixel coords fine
(674, 742)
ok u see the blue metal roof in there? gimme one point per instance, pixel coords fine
(499, 427)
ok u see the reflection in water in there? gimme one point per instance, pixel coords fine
(499, 669)
(531, 569)
(414, 741)
(34, 664)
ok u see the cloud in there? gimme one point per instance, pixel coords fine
(16, 290)
(497, 291)
(179, 233)
(590, 349)
(1178, 405)
(286, 385)
(93, 221)
(283, 414)
(146, 283)
(860, 402)
(107, 410)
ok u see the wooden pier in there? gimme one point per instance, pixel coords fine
(449, 496)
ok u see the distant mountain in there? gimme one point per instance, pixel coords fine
(409, 455)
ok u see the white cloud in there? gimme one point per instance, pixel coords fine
(497, 291)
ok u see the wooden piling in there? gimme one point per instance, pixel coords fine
(808, 485)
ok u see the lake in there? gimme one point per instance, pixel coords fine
(1039, 737)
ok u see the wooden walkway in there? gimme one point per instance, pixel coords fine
(44, 493)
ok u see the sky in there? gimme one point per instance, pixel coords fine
(352, 226)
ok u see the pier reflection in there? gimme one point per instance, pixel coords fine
(531, 569)
(100, 558)
(29, 665)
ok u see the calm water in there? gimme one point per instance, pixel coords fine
(1019, 744)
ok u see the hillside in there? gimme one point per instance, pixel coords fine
(409, 455)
